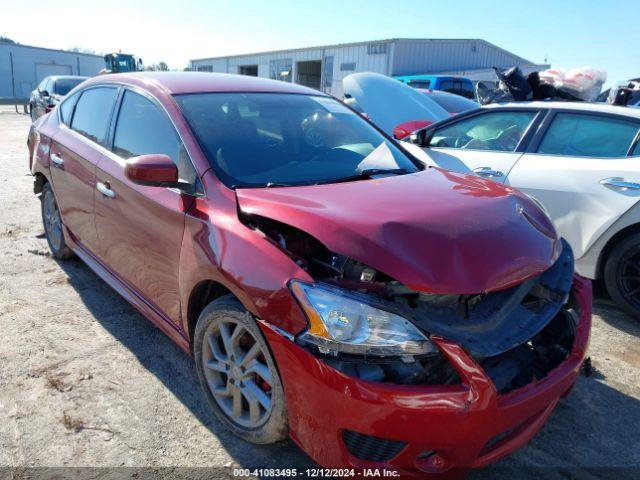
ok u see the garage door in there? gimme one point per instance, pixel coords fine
(46, 69)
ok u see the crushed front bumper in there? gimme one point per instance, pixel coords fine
(444, 430)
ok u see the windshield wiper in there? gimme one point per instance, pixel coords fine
(278, 184)
(367, 173)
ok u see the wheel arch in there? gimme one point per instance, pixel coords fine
(39, 182)
(611, 244)
(202, 294)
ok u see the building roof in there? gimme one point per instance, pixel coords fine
(69, 52)
(200, 82)
(355, 44)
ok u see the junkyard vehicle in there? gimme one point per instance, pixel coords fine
(579, 160)
(626, 94)
(329, 286)
(121, 63)
(50, 92)
(452, 103)
(461, 86)
(395, 108)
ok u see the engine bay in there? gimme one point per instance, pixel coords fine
(517, 335)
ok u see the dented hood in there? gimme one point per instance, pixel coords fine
(435, 231)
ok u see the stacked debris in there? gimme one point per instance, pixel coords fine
(578, 84)
(628, 94)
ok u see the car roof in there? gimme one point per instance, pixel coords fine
(577, 106)
(203, 82)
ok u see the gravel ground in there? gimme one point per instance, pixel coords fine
(85, 381)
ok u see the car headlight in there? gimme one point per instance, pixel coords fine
(342, 321)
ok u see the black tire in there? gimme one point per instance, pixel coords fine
(622, 274)
(229, 312)
(53, 228)
(32, 113)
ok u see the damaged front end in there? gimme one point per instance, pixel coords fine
(370, 326)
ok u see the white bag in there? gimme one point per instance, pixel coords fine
(583, 82)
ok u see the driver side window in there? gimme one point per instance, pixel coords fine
(499, 131)
(143, 129)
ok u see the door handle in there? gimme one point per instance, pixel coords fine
(104, 189)
(57, 160)
(619, 183)
(487, 172)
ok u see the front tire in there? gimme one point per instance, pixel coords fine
(52, 222)
(622, 275)
(238, 373)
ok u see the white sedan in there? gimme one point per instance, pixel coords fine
(581, 161)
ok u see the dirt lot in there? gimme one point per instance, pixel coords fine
(85, 381)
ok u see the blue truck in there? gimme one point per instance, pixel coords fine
(459, 85)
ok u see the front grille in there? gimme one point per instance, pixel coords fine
(373, 449)
(533, 360)
(495, 322)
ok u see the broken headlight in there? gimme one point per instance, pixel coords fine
(342, 321)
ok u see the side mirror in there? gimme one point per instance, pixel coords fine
(155, 170)
(44, 93)
(405, 129)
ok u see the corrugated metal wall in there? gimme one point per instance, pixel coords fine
(346, 60)
(32, 64)
(389, 57)
(432, 56)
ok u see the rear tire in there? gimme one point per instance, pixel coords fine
(53, 228)
(622, 274)
(238, 373)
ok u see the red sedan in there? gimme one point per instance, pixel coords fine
(329, 287)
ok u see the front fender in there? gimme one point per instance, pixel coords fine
(217, 246)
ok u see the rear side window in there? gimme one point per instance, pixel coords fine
(66, 108)
(458, 87)
(93, 113)
(580, 135)
(448, 86)
(143, 129)
(419, 84)
(499, 131)
(62, 86)
(468, 90)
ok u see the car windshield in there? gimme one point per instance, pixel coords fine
(63, 86)
(276, 139)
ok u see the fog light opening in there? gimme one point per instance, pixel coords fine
(425, 454)
(430, 461)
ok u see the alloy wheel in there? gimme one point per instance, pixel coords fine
(628, 276)
(52, 221)
(237, 373)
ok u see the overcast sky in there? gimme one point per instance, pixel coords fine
(567, 33)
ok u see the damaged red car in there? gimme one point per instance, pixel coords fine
(329, 286)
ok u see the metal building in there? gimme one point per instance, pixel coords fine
(324, 67)
(22, 67)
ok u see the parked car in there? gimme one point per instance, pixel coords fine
(329, 286)
(452, 103)
(579, 160)
(626, 94)
(50, 92)
(395, 108)
(457, 85)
